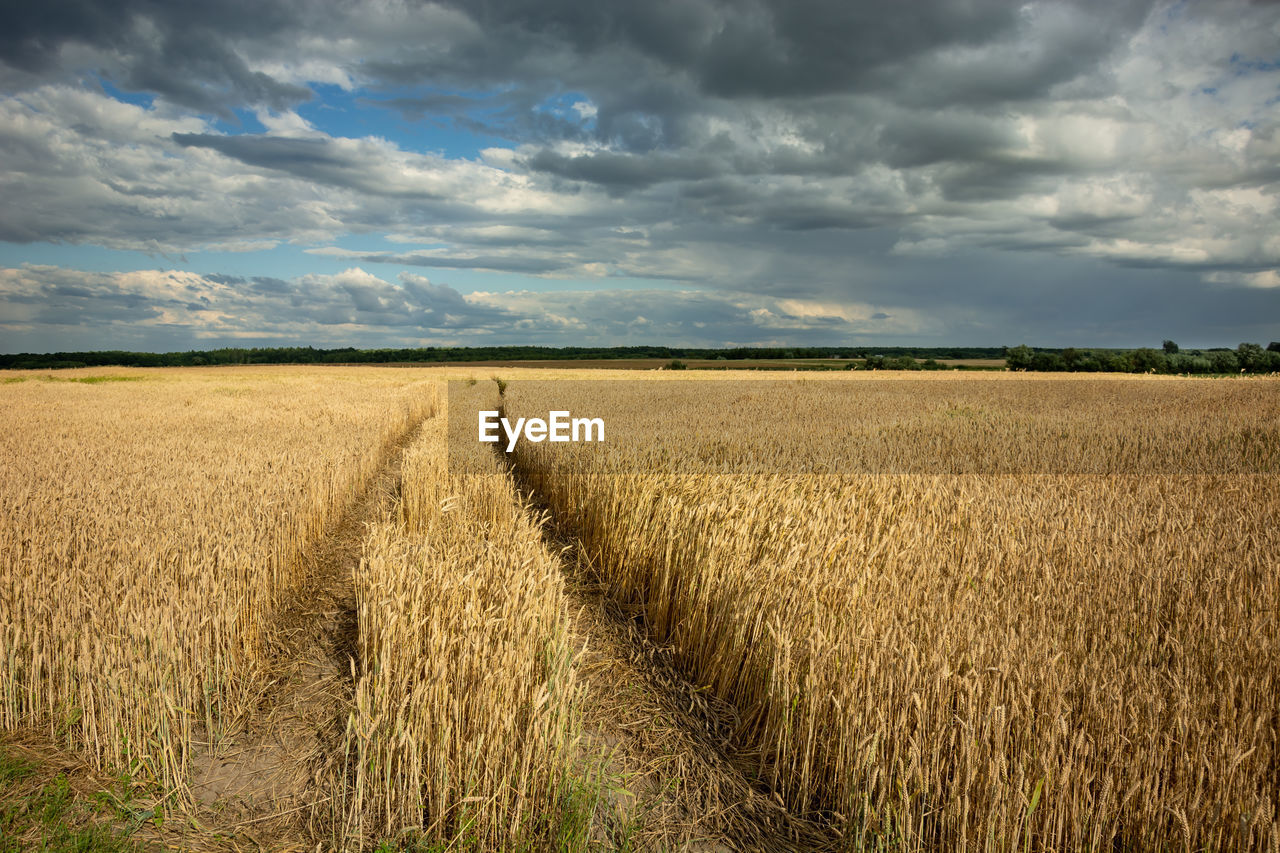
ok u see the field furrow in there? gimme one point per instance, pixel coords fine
(150, 533)
(931, 660)
(309, 609)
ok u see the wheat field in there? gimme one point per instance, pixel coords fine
(1019, 655)
(462, 723)
(1002, 613)
(150, 523)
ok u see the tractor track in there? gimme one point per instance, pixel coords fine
(273, 781)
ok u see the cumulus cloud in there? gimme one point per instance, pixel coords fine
(833, 152)
(158, 307)
(83, 167)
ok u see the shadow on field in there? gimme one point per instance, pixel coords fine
(666, 745)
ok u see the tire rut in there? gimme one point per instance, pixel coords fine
(271, 782)
(662, 745)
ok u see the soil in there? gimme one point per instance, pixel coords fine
(664, 746)
(274, 780)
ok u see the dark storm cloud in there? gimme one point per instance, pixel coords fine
(923, 139)
(516, 114)
(318, 160)
(618, 171)
(183, 52)
(928, 159)
(996, 178)
(789, 48)
(303, 157)
(945, 51)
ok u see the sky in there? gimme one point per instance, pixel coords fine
(331, 173)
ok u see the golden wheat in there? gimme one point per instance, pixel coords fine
(1014, 613)
(1021, 654)
(148, 530)
(461, 732)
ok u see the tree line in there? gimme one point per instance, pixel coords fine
(430, 355)
(1170, 358)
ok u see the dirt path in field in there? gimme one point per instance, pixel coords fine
(274, 781)
(661, 744)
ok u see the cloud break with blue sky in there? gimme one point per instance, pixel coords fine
(679, 172)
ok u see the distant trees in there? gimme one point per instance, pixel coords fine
(454, 355)
(1048, 362)
(1170, 358)
(1147, 360)
(1246, 358)
(1019, 357)
(1185, 362)
(1251, 357)
(901, 362)
(1223, 361)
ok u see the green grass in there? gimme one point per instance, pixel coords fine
(98, 380)
(83, 380)
(50, 817)
(584, 821)
(13, 769)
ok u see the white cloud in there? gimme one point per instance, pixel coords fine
(829, 159)
(287, 123)
(315, 307)
(1265, 279)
